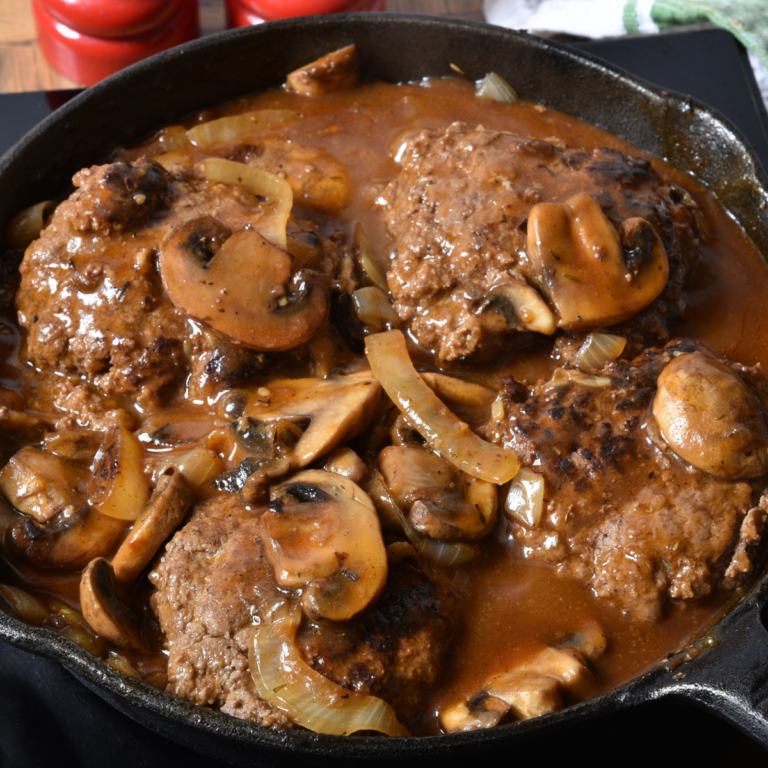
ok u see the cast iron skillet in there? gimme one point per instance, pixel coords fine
(730, 672)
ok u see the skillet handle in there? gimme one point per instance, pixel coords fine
(731, 680)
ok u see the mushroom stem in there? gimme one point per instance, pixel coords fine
(167, 507)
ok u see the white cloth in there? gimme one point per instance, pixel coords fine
(592, 18)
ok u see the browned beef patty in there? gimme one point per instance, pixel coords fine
(91, 299)
(623, 514)
(458, 212)
(210, 582)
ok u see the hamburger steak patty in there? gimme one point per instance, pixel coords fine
(210, 582)
(458, 213)
(91, 298)
(623, 513)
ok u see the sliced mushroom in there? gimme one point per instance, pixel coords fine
(335, 71)
(241, 286)
(589, 640)
(174, 429)
(440, 501)
(481, 711)
(267, 440)
(41, 484)
(710, 418)
(564, 666)
(167, 507)
(70, 540)
(402, 432)
(322, 534)
(523, 307)
(256, 485)
(338, 409)
(16, 422)
(582, 269)
(537, 687)
(105, 612)
(344, 461)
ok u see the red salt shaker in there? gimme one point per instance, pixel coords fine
(87, 40)
(242, 13)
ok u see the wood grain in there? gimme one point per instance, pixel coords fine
(23, 67)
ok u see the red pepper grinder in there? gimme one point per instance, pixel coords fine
(87, 40)
(242, 13)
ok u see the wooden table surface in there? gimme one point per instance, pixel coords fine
(23, 67)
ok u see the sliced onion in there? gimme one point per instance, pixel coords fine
(525, 498)
(170, 139)
(368, 261)
(284, 680)
(27, 225)
(121, 664)
(373, 309)
(257, 182)
(446, 554)
(200, 467)
(29, 608)
(564, 376)
(42, 484)
(234, 127)
(85, 639)
(495, 88)
(447, 435)
(459, 392)
(597, 350)
(118, 487)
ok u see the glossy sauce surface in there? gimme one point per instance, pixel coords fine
(510, 607)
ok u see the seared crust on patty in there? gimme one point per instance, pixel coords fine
(458, 214)
(210, 583)
(623, 513)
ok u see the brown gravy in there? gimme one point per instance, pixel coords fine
(511, 606)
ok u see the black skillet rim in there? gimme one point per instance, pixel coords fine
(137, 697)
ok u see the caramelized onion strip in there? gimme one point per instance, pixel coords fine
(448, 436)
(170, 139)
(597, 350)
(236, 127)
(118, 487)
(27, 225)
(495, 88)
(368, 259)
(28, 607)
(199, 466)
(284, 680)
(261, 184)
(373, 309)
